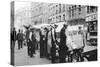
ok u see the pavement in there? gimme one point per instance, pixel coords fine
(22, 58)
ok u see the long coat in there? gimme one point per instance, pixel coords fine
(20, 36)
(33, 43)
(13, 35)
(62, 47)
(53, 48)
(27, 35)
(42, 43)
(46, 44)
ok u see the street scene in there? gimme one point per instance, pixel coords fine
(49, 33)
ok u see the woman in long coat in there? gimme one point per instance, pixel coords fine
(42, 42)
(62, 47)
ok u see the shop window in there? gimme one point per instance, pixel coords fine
(88, 9)
(93, 26)
(59, 17)
(79, 8)
(69, 12)
(59, 8)
(56, 18)
(63, 7)
(93, 8)
(63, 17)
(72, 13)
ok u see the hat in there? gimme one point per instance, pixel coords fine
(55, 25)
(65, 25)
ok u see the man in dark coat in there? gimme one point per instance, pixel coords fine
(20, 39)
(13, 38)
(27, 35)
(28, 41)
(33, 44)
(62, 47)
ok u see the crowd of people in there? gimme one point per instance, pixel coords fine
(60, 46)
(23, 39)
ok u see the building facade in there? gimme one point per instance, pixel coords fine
(49, 13)
(57, 13)
(81, 13)
(12, 15)
(45, 13)
(92, 23)
(37, 13)
(91, 13)
(77, 14)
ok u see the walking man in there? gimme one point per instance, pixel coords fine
(27, 41)
(33, 44)
(20, 39)
(13, 38)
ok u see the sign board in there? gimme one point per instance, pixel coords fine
(91, 17)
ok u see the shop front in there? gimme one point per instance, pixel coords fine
(91, 21)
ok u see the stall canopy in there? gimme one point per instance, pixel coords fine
(40, 26)
(60, 25)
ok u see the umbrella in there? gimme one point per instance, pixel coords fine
(27, 27)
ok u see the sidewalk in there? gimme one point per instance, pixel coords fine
(22, 58)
